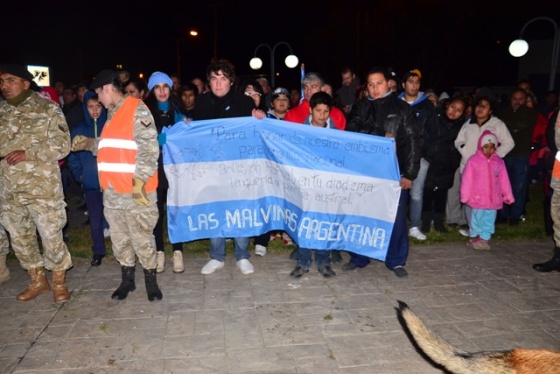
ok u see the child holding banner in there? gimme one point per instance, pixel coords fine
(320, 106)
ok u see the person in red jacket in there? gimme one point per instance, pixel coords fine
(311, 84)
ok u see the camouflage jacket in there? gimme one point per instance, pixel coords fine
(36, 126)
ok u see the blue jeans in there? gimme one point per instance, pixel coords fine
(218, 248)
(518, 172)
(398, 244)
(322, 258)
(94, 203)
(417, 194)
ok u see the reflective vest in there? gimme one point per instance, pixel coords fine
(116, 155)
(556, 169)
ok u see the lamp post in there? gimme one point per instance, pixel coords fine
(291, 60)
(192, 33)
(519, 47)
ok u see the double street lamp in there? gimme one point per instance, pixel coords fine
(291, 60)
(519, 47)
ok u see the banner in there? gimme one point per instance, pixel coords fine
(242, 177)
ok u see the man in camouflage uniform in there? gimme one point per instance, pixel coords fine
(127, 154)
(553, 141)
(33, 137)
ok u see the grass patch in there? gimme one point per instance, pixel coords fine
(531, 229)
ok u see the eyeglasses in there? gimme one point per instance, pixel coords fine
(252, 93)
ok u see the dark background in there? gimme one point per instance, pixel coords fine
(461, 43)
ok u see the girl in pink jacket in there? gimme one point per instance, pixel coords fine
(485, 187)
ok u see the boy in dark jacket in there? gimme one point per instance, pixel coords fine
(83, 166)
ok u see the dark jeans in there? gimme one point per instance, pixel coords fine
(434, 200)
(322, 258)
(518, 172)
(94, 203)
(398, 244)
(158, 230)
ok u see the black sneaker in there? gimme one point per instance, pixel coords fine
(298, 272)
(400, 272)
(96, 261)
(336, 258)
(327, 271)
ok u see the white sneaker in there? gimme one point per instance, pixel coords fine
(160, 258)
(178, 266)
(245, 266)
(465, 232)
(416, 233)
(211, 266)
(260, 250)
(106, 233)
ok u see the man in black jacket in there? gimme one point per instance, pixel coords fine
(224, 102)
(382, 113)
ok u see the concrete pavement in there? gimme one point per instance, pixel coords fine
(269, 322)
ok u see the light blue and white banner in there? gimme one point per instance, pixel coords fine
(241, 177)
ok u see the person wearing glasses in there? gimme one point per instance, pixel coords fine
(311, 84)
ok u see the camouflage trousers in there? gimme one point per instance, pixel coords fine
(46, 216)
(555, 214)
(4, 242)
(132, 234)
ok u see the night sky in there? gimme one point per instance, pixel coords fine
(461, 43)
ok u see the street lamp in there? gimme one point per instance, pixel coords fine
(291, 60)
(519, 47)
(192, 33)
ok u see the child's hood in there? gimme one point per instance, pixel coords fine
(88, 120)
(487, 137)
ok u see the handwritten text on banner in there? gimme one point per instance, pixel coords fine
(242, 177)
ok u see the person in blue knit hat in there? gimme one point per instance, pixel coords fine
(167, 109)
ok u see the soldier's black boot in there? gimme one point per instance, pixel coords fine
(438, 223)
(551, 265)
(127, 284)
(152, 288)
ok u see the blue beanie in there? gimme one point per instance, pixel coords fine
(159, 77)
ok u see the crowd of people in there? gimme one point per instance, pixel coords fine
(466, 161)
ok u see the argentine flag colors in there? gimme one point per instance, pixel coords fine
(242, 177)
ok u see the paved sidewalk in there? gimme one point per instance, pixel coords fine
(268, 322)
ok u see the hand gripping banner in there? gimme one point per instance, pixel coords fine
(242, 177)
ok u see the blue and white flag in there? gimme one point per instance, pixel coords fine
(243, 177)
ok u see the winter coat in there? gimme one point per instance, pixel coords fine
(165, 115)
(468, 136)
(520, 124)
(484, 181)
(440, 151)
(83, 164)
(232, 104)
(390, 114)
(301, 112)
